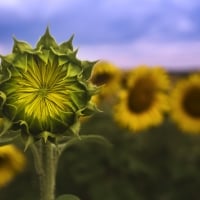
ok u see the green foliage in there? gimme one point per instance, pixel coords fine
(67, 197)
(152, 165)
(159, 164)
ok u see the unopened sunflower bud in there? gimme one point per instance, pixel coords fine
(44, 90)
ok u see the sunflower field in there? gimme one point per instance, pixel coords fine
(150, 119)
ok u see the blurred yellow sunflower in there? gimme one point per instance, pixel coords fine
(108, 75)
(144, 100)
(185, 104)
(12, 162)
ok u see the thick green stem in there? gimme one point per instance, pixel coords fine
(45, 158)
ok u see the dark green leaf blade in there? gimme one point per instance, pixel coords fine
(67, 197)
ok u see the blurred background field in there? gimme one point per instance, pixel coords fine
(159, 163)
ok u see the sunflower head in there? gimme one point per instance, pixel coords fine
(12, 162)
(143, 100)
(185, 98)
(44, 90)
(107, 75)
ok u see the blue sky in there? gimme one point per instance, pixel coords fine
(125, 32)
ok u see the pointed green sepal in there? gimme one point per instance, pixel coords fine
(5, 74)
(67, 45)
(45, 135)
(28, 142)
(20, 61)
(5, 125)
(75, 128)
(17, 60)
(90, 109)
(2, 98)
(44, 55)
(73, 70)
(10, 111)
(93, 89)
(21, 46)
(46, 41)
(88, 67)
(62, 60)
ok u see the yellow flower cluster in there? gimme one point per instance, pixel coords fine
(145, 94)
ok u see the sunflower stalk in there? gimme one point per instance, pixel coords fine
(45, 159)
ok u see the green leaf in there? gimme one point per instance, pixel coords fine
(95, 138)
(10, 136)
(83, 138)
(67, 197)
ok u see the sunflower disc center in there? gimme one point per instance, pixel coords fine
(43, 92)
(141, 96)
(2, 161)
(191, 102)
(101, 79)
(40, 92)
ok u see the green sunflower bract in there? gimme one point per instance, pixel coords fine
(44, 90)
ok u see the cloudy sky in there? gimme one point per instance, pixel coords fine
(125, 32)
